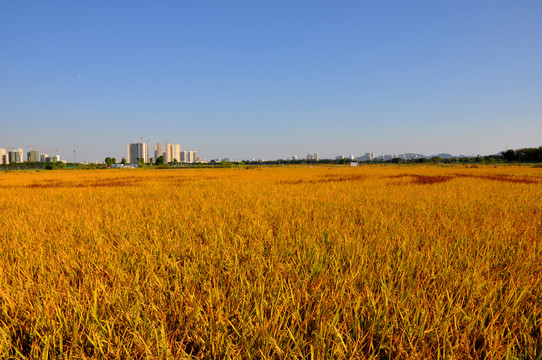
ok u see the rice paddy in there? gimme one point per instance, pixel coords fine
(272, 262)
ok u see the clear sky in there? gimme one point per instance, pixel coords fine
(257, 79)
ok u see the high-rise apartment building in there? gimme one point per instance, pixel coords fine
(52, 159)
(158, 150)
(43, 157)
(194, 156)
(184, 156)
(33, 156)
(176, 152)
(172, 153)
(168, 153)
(137, 151)
(4, 159)
(14, 157)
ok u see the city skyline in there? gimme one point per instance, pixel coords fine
(171, 153)
(272, 80)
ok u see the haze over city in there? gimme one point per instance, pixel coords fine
(271, 80)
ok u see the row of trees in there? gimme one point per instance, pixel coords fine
(524, 155)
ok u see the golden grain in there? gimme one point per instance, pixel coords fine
(375, 261)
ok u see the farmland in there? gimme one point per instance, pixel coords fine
(272, 262)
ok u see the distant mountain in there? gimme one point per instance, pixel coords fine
(444, 156)
(422, 156)
(414, 156)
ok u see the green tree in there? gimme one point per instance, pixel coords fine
(123, 161)
(160, 160)
(110, 161)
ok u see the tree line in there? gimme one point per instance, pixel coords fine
(523, 155)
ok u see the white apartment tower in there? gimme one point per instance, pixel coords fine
(176, 152)
(158, 150)
(4, 159)
(172, 153)
(137, 151)
(192, 155)
(21, 154)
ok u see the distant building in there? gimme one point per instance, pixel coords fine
(192, 155)
(176, 152)
(312, 156)
(158, 150)
(4, 159)
(14, 157)
(43, 157)
(52, 159)
(366, 157)
(172, 153)
(137, 151)
(33, 156)
(184, 156)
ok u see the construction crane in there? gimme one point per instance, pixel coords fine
(55, 150)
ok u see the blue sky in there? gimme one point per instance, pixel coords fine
(254, 79)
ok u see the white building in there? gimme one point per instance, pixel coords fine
(172, 153)
(158, 150)
(137, 151)
(4, 159)
(192, 155)
(176, 152)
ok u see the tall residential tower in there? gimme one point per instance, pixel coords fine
(137, 151)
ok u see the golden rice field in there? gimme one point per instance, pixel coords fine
(272, 263)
